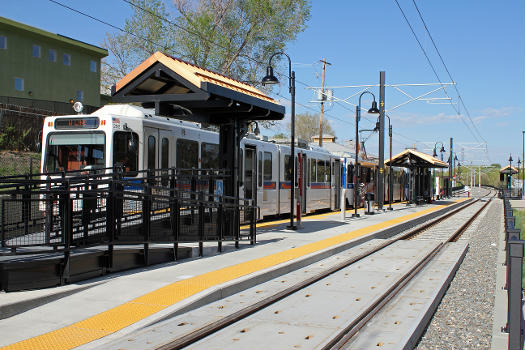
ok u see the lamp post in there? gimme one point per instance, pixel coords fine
(454, 167)
(372, 110)
(270, 78)
(510, 173)
(441, 151)
(523, 157)
(519, 164)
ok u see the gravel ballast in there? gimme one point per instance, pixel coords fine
(464, 318)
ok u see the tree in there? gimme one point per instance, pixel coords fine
(307, 125)
(233, 37)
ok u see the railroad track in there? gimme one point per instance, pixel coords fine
(230, 324)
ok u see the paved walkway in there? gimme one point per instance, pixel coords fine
(91, 313)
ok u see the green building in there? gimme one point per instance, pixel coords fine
(45, 70)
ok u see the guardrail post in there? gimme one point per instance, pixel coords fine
(3, 223)
(515, 314)
(252, 221)
(26, 205)
(146, 216)
(220, 223)
(67, 231)
(48, 221)
(237, 222)
(174, 211)
(110, 219)
(201, 223)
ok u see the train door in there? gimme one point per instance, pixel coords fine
(151, 148)
(250, 173)
(304, 182)
(336, 183)
(165, 155)
(260, 183)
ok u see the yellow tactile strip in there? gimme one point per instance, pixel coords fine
(121, 316)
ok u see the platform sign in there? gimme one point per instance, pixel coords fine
(219, 189)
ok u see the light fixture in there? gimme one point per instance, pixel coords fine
(269, 78)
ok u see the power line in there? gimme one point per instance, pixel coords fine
(432, 66)
(211, 42)
(448, 72)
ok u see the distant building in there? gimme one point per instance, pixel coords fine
(45, 70)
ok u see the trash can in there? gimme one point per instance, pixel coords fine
(369, 203)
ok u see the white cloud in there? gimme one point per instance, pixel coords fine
(494, 113)
(419, 119)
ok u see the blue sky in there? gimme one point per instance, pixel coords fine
(481, 42)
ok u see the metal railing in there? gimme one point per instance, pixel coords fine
(514, 263)
(65, 211)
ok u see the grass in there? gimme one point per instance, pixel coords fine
(519, 214)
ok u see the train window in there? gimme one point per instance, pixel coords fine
(209, 156)
(267, 166)
(165, 153)
(320, 171)
(241, 172)
(68, 151)
(308, 172)
(313, 170)
(187, 154)
(152, 143)
(328, 171)
(260, 172)
(350, 174)
(122, 154)
(287, 170)
(164, 160)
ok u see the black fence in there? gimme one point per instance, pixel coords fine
(64, 211)
(514, 263)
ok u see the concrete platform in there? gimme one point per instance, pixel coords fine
(93, 312)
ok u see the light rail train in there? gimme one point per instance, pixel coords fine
(136, 139)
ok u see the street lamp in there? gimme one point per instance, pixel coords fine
(372, 110)
(271, 79)
(510, 173)
(441, 151)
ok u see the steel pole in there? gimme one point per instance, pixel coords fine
(356, 166)
(380, 175)
(292, 156)
(390, 184)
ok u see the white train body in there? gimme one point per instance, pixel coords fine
(102, 140)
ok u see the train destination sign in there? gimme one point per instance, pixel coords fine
(77, 123)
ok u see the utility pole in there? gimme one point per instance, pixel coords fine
(381, 175)
(323, 97)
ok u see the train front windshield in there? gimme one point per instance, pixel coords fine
(74, 151)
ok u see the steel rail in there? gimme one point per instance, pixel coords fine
(353, 328)
(215, 326)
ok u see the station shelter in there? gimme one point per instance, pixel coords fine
(505, 176)
(181, 90)
(420, 182)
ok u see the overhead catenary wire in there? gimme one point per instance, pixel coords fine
(460, 98)
(205, 39)
(433, 68)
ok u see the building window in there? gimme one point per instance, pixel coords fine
(52, 55)
(19, 84)
(93, 66)
(36, 51)
(67, 59)
(80, 95)
(3, 42)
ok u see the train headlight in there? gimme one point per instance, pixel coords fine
(78, 107)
